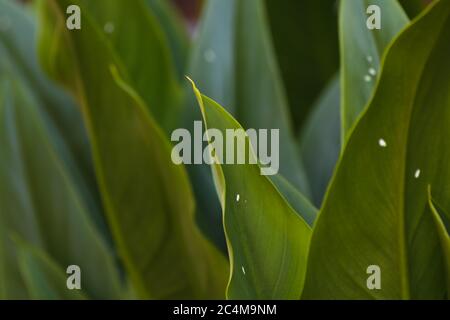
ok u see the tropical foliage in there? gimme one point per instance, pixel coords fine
(87, 177)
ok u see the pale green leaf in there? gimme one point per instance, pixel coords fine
(320, 140)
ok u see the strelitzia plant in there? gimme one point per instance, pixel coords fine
(87, 178)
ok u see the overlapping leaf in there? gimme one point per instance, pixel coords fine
(267, 240)
(306, 43)
(414, 7)
(376, 210)
(361, 52)
(320, 140)
(442, 221)
(147, 198)
(40, 203)
(233, 61)
(138, 41)
(45, 169)
(175, 30)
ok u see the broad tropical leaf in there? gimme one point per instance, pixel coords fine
(36, 191)
(267, 240)
(44, 279)
(147, 60)
(414, 7)
(376, 209)
(234, 62)
(361, 52)
(61, 115)
(147, 197)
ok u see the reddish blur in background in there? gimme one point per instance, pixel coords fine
(189, 8)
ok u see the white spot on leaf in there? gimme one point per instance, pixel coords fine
(238, 197)
(382, 143)
(372, 71)
(417, 174)
(367, 78)
(243, 270)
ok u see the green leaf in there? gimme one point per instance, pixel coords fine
(44, 279)
(148, 199)
(267, 240)
(38, 199)
(320, 140)
(361, 52)
(12, 285)
(233, 61)
(60, 114)
(306, 42)
(297, 200)
(140, 45)
(175, 30)
(375, 211)
(442, 220)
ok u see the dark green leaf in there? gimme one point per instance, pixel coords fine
(375, 211)
(306, 42)
(148, 199)
(442, 221)
(38, 200)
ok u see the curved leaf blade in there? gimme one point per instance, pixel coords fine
(377, 214)
(319, 140)
(236, 65)
(40, 202)
(148, 199)
(442, 220)
(267, 240)
(361, 52)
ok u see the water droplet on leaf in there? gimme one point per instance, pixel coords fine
(417, 174)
